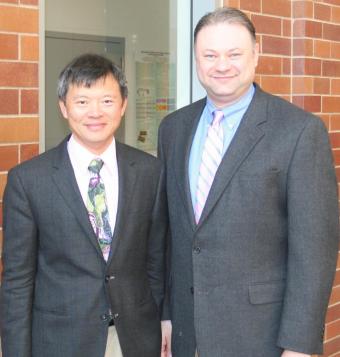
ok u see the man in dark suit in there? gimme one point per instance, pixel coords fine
(253, 209)
(84, 233)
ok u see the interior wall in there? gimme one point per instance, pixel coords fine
(136, 21)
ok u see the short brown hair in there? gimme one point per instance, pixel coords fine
(226, 14)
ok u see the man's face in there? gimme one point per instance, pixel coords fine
(94, 114)
(226, 58)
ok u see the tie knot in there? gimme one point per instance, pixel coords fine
(217, 117)
(96, 165)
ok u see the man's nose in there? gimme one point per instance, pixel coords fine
(95, 110)
(223, 63)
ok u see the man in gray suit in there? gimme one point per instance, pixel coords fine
(84, 233)
(253, 207)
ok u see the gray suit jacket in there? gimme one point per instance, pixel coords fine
(57, 290)
(255, 275)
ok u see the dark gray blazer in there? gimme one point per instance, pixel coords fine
(57, 290)
(255, 275)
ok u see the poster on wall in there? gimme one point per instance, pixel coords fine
(155, 96)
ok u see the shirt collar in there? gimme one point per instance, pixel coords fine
(230, 111)
(83, 156)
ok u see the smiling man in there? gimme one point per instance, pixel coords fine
(84, 233)
(253, 207)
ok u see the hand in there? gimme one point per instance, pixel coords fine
(166, 327)
(287, 353)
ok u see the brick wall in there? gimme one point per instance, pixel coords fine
(300, 61)
(19, 54)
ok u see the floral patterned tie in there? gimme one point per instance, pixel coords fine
(97, 208)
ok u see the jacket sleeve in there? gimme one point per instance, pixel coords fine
(313, 217)
(157, 244)
(19, 267)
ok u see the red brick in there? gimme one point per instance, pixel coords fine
(29, 101)
(277, 7)
(269, 65)
(322, 12)
(322, 85)
(9, 102)
(331, 104)
(332, 330)
(1, 214)
(276, 85)
(332, 2)
(335, 125)
(232, 3)
(322, 48)
(9, 47)
(9, 1)
(332, 346)
(302, 85)
(286, 66)
(18, 74)
(28, 151)
(19, 19)
(286, 27)
(335, 143)
(307, 28)
(15, 130)
(29, 2)
(303, 47)
(336, 157)
(9, 157)
(3, 180)
(337, 278)
(331, 32)
(335, 50)
(29, 48)
(267, 24)
(335, 86)
(307, 66)
(335, 17)
(331, 68)
(308, 102)
(302, 9)
(251, 5)
(276, 45)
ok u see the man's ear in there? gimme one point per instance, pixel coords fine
(63, 109)
(124, 105)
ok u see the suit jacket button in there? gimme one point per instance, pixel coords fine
(104, 317)
(115, 316)
(192, 290)
(108, 278)
(197, 250)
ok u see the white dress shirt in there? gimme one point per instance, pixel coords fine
(80, 159)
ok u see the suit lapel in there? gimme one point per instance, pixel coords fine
(247, 136)
(185, 136)
(127, 178)
(65, 180)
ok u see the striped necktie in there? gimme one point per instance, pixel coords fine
(97, 208)
(211, 158)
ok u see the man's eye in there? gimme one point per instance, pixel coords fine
(235, 55)
(108, 101)
(210, 56)
(81, 102)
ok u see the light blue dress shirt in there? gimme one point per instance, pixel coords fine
(232, 118)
